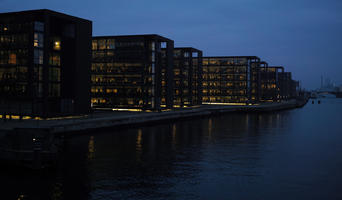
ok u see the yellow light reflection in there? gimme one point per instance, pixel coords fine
(138, 146)
(91, 148)
(210, 127)
(126, 109)
(228, 104)
(174, 131)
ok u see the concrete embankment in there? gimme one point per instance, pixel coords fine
(99, 120)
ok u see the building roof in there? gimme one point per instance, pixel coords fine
(44, 11)
(134, 36)
(251, 57)
(187, 48)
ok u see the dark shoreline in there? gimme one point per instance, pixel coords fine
(117, 119)
(36, 143)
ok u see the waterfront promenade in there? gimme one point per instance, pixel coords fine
(108, 119)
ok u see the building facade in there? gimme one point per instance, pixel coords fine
(44, 63)
(271, 82)
(187, 77)
(288, 86)
(132, 72)
(232, 79)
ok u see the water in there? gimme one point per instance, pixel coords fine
(294, 154)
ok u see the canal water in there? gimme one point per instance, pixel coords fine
(293, 154)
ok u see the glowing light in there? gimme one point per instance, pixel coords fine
(12, 59)
(228, 104)
(57, 45)
(126, 109)
(15, 117)
(67, 117)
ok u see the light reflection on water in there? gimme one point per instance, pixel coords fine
(294, 154)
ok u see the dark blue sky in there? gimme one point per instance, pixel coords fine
(305, 36)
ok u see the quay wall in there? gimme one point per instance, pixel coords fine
(100, 121)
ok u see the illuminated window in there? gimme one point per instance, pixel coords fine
(12, 59)
(38, 40)
(55, 60)
(111, 44)
(153, 46)
(101, 44)
(130, 101)
(57, 45)
(94, 45)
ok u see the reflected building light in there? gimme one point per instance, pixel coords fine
(91, 148)
(57, 191)
(124, 109)
(210, 126)
(260, 119)
(174, 131)
(138, 146)
(228, 104)
(139, 141)
(21, 197)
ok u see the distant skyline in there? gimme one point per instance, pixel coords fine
(304, 36)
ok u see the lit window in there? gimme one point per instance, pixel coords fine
(101, 44)
(38, 40)
(38, 56)
(57, 45)
(94, 45)
(55, 60)
(12, 59)
(153, 47)
(111, 44)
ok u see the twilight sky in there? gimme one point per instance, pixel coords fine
(305, 36)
